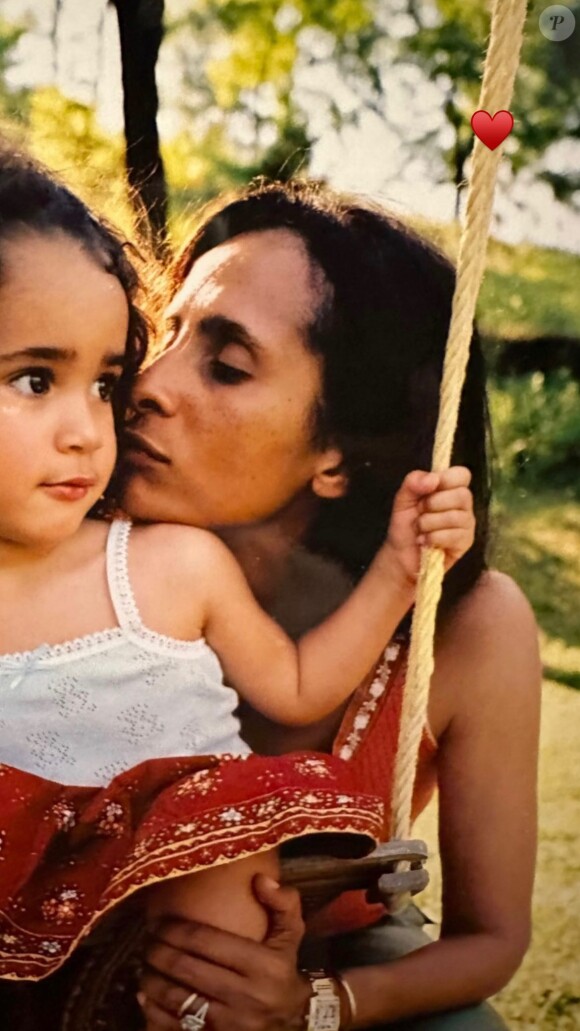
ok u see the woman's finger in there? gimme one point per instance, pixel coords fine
(192, 972)
(167, 995)
(286, 926)
(210, 943)
(157, 1019)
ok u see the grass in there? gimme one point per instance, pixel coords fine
(527, 291)
(540, 546)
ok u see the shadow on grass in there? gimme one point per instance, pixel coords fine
(565, 677)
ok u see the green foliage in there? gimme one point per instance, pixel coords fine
(537, 430)
(546, 103)
(547, 97)
(64, 134)
(241, 61)
(13, 103)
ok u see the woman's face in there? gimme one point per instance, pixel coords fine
(224, 432)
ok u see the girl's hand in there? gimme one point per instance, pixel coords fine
(249, 986)
(434, 509)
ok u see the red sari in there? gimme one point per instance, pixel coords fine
(69, 854)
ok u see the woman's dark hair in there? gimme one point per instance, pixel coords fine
(33, 200)
(380, 329)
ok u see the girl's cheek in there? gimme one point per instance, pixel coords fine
(10, 406)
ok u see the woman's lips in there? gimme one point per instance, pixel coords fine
(74, 489)
(139, 445)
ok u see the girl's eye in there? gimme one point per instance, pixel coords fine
(229, 375)
(104, 387)
(33, 382)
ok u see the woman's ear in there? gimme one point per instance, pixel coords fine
(330, 479)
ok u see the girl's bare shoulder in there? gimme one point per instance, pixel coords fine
(170, 568)
(175, 543)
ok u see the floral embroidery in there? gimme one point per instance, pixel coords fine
(368, 705)
(313, 765)
(231, 816)
(112, 820)
(62, 907)
(203, 781)
(165, 824)
(64, 815)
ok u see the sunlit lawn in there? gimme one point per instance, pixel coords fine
(540, 546)
(527, 291)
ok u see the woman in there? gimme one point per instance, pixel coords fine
(300, 382)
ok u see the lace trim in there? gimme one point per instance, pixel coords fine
(123, 598)
(118, 575)
(130, 625)
(72, 647)
(90, 643)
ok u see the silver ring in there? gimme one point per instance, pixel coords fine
(195, 1021)
(185, 1005)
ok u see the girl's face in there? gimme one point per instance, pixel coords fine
(63, 327)
(224, 435)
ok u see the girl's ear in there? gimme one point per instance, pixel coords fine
(330, 479)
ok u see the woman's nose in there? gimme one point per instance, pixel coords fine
(156, 389)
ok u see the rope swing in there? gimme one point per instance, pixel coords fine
(501, 63)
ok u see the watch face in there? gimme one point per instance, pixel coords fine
(325, 1015)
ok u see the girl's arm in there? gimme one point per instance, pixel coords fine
(295, 684)
(487, 676)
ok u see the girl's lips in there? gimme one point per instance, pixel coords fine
(70, 490)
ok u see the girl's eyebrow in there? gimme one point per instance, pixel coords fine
(56, 354)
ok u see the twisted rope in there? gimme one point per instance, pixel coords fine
(507, 26)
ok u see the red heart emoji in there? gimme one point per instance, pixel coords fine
(492, 131)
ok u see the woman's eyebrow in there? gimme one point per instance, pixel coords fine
(221, 330)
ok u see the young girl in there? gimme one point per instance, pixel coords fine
(117, 642)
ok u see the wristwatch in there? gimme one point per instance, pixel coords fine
(324, 1007)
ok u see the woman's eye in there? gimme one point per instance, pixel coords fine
(229, 375)
(33, 382)
(105, 386)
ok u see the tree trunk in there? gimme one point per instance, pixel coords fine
(141, 32)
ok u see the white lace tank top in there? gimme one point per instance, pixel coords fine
(83, 711)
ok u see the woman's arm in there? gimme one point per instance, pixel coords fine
(489, 668)
(298, 684)
(487, 684)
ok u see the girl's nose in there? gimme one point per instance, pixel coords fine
(82, 426)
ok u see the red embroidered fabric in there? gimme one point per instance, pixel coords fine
(368, 740)
(67, 855)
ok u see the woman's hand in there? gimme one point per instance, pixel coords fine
(434, 509)
(249, 986)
